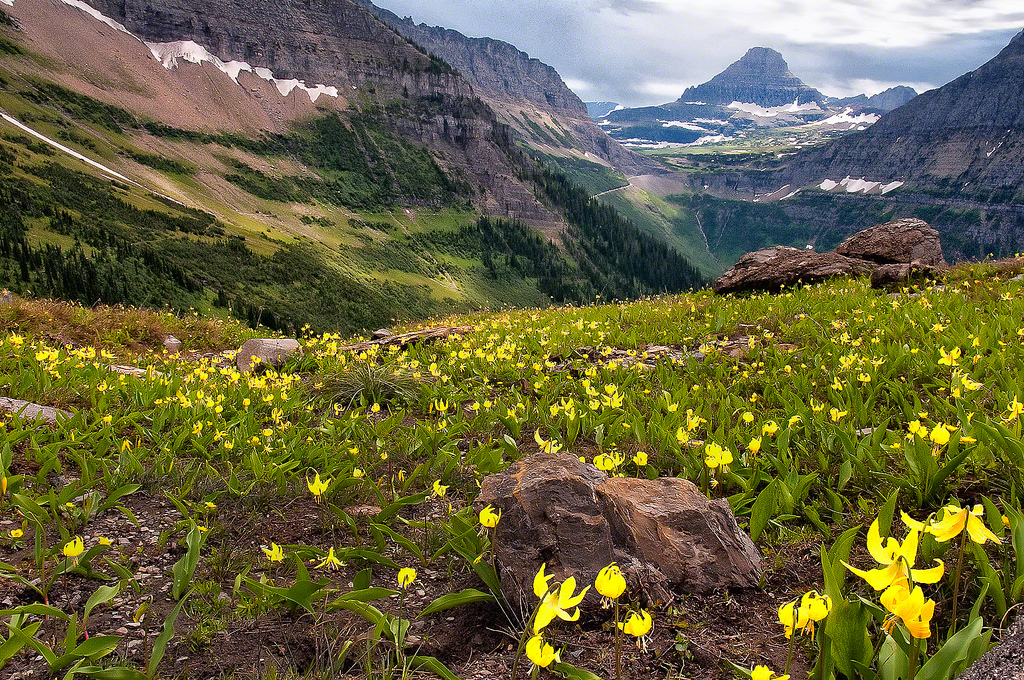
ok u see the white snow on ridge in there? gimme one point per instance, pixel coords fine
(9, 3)
(710, 139)
(684, 125)
(95, 14)
(169, 53)
(847, 117)
(854, 186)
(762, 112)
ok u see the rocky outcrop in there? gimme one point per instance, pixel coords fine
(559, 511)
(760, 77)
(885, 101)
(780, 266)
(892, 252)
(897, 242)
(265, 351)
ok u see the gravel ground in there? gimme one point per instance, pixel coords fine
(1005, 661)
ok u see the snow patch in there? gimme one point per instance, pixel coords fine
(9, 3)
(696, 103)
(93, 13)
(684, 125)
(847, 117)
(772, 112)
(169, 53)
(710, 121)
(618, 107)
(710, 139)
(855, 186)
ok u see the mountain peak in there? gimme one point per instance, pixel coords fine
(761, 76)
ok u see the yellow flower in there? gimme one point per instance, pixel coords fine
(331, 562)
(755, 445)
(898, 559)
(609, 582)
(316, 487)
(557, 602)
(910, 606)
(540, 582)
(949, 359)
(17, 533)
(682, 436)
(637, 624)
(715, 456)
(489, 518)
(956, 520)
(74, 547)
(274, 553)
(835, 414)
(1015, 409)
(104, 540)
(640, 458)
(406, 576)
(770, 428)
(765, 673)
(939, 435)
(793, 617)
(748, 417)
(357, 473)
(540, 652)
(440, 489)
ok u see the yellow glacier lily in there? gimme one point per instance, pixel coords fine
(911, 607)
(956, 520)
(557, 603)
(898, 560)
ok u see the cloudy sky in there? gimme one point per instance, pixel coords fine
(642, 52)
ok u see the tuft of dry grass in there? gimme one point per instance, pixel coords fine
(120, 330)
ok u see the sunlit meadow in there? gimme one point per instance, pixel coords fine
(883, 427)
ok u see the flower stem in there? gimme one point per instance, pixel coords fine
(915, 648)
(618, 644)
(956, 580)
(792, 643)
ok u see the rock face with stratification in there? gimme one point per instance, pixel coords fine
(559, 511)
(26, 410)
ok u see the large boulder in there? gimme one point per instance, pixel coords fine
(568, 514)
(780, 266)
(903, 241)
(28, 411)
(266, 351)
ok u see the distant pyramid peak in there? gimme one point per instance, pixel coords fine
(761, 76)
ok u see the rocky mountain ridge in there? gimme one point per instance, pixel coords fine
(528, 95)
(761, 76)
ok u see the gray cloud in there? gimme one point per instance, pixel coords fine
(642, 52)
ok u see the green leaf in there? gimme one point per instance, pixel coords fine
(944, 662)
(157, 655)
(886, 512)
(115, 673)
(185, 568)
(433, 665)
(762, 510)
(94, 648)
(569, 671)
(467, 596)
(368, 594)
(847, 630)
(362, 579)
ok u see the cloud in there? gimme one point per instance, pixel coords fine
(642, 52)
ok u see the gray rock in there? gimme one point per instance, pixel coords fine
(381, 334)
(559, 511)
(888, 275)
(29, 411)
(780, 266)
(268, 351)
(897, 242)
(1004, 661)
(172, 344)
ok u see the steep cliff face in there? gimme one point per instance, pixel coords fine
(760, 77)
(886, 101)
(527, 94)
(966, 136)
(339, 44)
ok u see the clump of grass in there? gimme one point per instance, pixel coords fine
(121, 330)
(371, 384)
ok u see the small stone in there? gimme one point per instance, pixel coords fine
(172, 344)
(269, 351)
(121, 631)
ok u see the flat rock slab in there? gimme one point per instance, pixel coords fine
(267, 351)
(26, 410)
(781, 266)
(570, 515)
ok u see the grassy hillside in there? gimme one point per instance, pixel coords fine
(261, 521)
